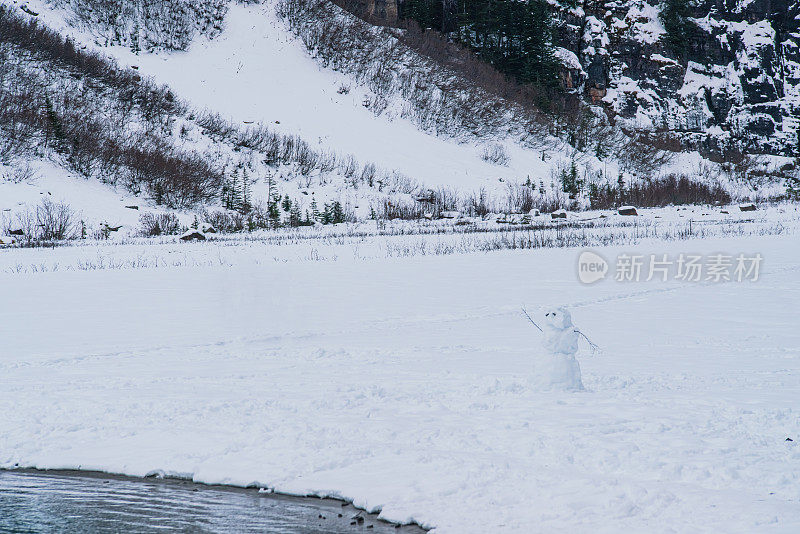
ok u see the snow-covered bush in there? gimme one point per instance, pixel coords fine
(148, 24)
(496, 154)
(47, 222)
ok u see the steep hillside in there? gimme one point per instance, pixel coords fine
(726, 76)
(255, 70)
(276, 109)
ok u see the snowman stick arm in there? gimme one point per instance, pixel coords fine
(531, 320)
(593, 346)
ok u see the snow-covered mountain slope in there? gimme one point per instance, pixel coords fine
(308, 127)
(255, 70)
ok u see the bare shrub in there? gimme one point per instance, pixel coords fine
(225, 221)
(24, 221)
(368, 173)
(21, 173)
(215, 126)
(477, 204)
(495, 154)
(520, 198)
(348, 167)
(646, 154)
(307, 159)
(52, 104)
(48, 222)
(747, 169)
(56, 221)
(448, 89)
(155, 224)
(398, 208)
(671, 190)
(327, 162)
(445, 199)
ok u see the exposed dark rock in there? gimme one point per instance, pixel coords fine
(193, 235)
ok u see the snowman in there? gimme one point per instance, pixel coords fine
(557, 367)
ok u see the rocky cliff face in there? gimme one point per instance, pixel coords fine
(734, 87)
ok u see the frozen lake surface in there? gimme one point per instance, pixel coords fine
(86, 502)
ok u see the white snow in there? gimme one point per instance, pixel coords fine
(568, 59)
(405, 384)
(90, 199)
(645, 22)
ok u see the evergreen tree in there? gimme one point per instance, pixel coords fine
(226, 194)
(569, 180)
(233, 201)
(245, 205)
(337, 213)
(427, 13)
(621, 187)
(274, 214)
(325, 216)
(55, 126)
(514, 36)
(793, 187)
(135, 31)
(295, 216)
(273, 197)
(594, 193)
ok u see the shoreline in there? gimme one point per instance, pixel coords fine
(327, 505)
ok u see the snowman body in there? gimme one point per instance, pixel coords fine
(556, 367)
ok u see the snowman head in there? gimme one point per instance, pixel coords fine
(558, 318)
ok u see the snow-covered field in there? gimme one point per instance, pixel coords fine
(389, 364)
(413, 385)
